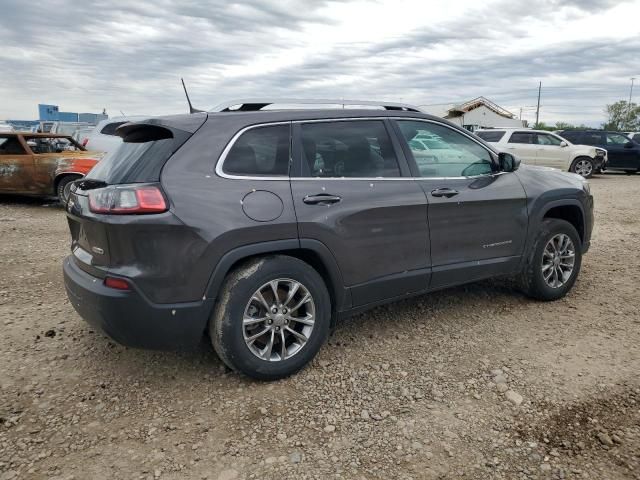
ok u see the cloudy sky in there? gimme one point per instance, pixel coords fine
(129, 55)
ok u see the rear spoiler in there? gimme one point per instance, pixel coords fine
(157, 128)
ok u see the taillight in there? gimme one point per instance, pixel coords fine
(127, 199)
(117, 283)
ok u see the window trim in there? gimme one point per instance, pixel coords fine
(394, 135)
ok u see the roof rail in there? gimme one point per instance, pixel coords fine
(256, 104)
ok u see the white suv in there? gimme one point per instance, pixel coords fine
(539, 147)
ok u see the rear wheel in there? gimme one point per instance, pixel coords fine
(272, 317)
(583, 166)
(63, 189)
(554, 265)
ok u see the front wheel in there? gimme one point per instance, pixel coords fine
(554, 265)
(271, 318)
(583, 166)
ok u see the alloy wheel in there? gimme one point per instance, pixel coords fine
(558, 260)
(583, 168)
(278, 319)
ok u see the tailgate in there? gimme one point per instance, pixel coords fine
(89, 241)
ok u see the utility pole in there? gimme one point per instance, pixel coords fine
(626, 123)
(538, 108)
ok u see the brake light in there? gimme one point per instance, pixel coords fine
(127, 199)
(117, 283)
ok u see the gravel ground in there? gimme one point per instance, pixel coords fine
(474, 382)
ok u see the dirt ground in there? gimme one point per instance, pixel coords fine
(475, 382)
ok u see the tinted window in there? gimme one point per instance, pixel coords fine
(260, 151)
(11, 146)
(110, 128)
(140, 157)
(573, 137)
(448, 153)
(521, 137)
(546, 139)
(491, 135)
(592, 138)
(348, 149)
(636, 137)
(616, 139)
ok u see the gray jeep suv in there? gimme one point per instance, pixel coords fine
(263, 228)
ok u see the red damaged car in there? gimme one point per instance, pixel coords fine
(42, 164)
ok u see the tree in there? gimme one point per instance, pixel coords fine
(621, 117)
(543, 126)
(564, 126)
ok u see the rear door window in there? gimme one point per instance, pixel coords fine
(260, 151)
(522, 137)
(636, 137)
(491, 135)
(11, 146)
(593, 138)
(355, 149)
(573, 137)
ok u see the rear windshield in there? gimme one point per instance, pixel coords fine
(137, 162)
(491, 135)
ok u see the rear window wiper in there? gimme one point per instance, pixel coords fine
(90, 184)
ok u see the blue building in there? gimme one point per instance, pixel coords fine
(52, 113)
(48, 113)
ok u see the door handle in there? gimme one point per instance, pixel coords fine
(444, 192)
(321, 199)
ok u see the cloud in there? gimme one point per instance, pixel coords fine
(129, 56)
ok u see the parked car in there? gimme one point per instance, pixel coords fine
(68, 128)
(6, 127)
(103, 137)
(263, 228)
(82, 135)
(540, 147)
(622, 152)
(42, 164)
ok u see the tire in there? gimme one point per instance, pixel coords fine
(583, 166)
(238, 301)
(62, 189)
(532, 278)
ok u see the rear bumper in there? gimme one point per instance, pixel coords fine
(129, 318)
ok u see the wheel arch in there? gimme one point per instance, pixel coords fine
(312, 252)
(60, 175)
(571, 211)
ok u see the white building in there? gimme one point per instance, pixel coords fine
(474, 114)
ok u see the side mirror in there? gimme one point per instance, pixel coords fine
(628, 145)
(564, 144)
(508, 163)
